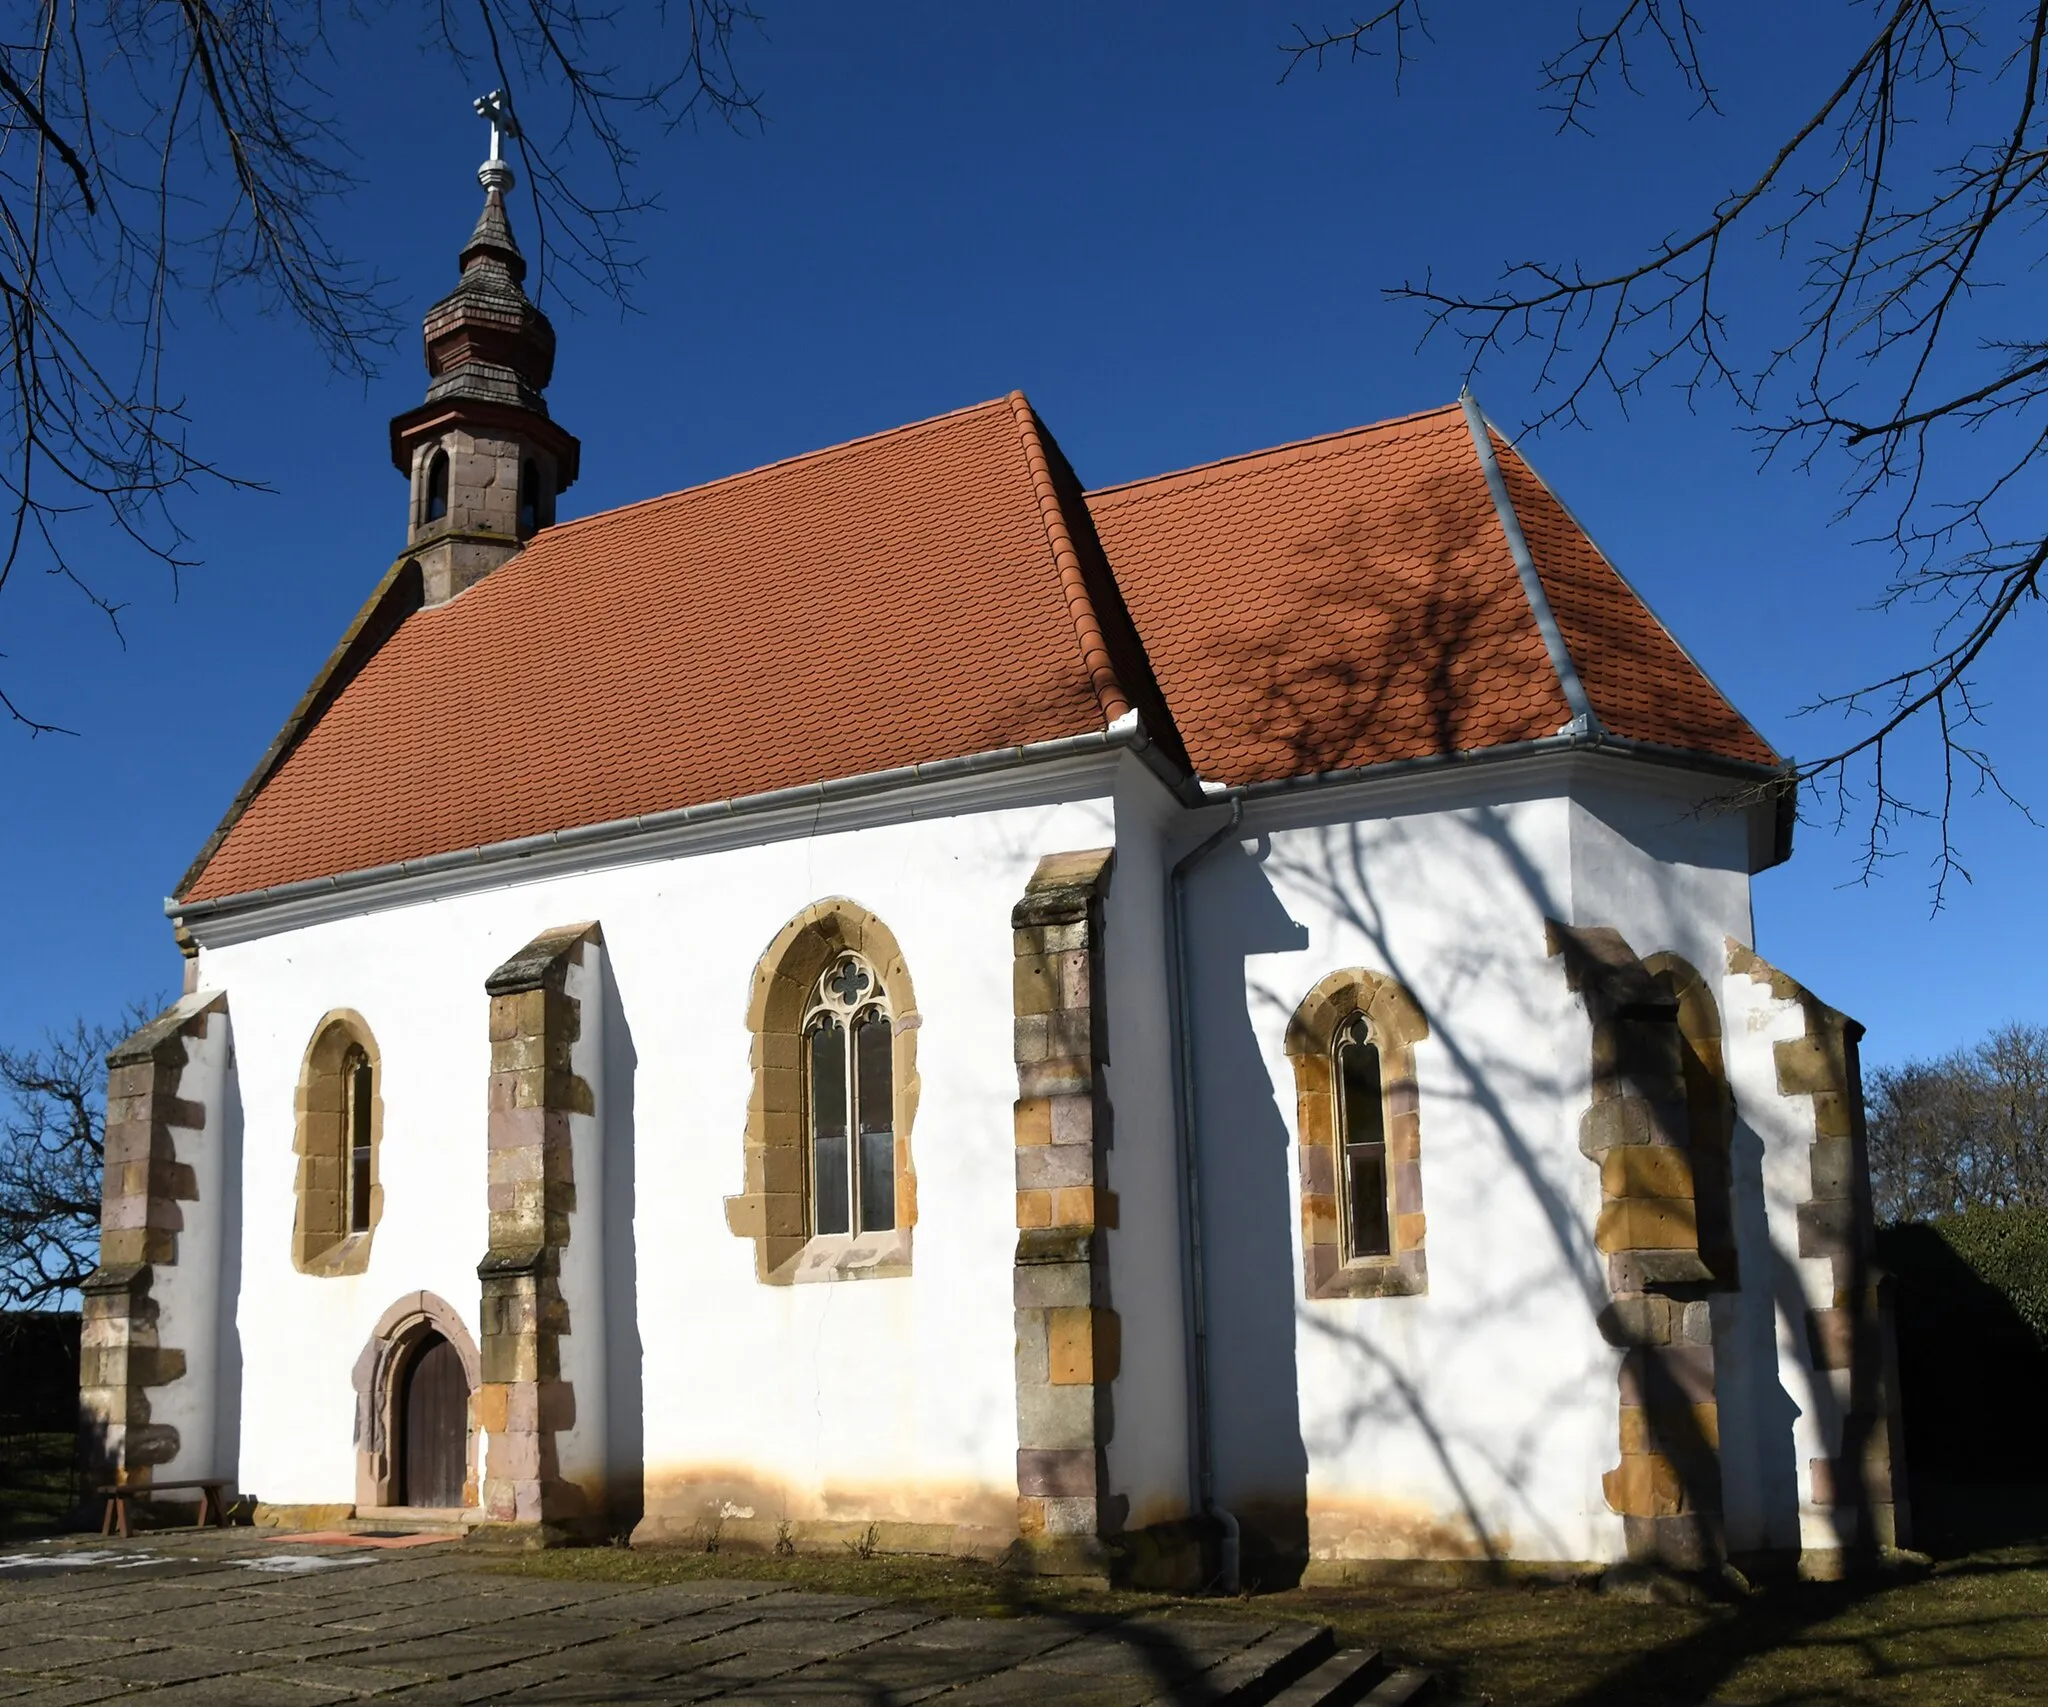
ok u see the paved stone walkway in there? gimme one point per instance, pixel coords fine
(240, 1618)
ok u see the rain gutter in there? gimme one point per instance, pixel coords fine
(1195, 1312)
(1126, 733)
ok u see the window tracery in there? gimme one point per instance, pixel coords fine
(850, 1083)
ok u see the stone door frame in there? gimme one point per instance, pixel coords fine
(379, 1385)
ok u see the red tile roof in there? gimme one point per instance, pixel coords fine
(1352, 600)
(1642, 683)
(945, 589)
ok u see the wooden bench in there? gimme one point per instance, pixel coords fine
(213, 1510)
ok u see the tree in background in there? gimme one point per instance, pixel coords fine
(51, 1159)
(187, 151)
(1969, 1131)
(1846, 295)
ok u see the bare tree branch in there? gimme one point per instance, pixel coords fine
(52, 1134)
(1904, 198)
(156, 153)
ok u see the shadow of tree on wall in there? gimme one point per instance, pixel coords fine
(1331, 870)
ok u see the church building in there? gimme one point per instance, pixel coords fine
(1197, 1031)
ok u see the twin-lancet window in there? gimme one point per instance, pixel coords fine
(850, 1083)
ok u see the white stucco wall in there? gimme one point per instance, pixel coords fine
(192, 1316)
(870, 1399)
(1148, 1445)
(1478, 1417)
(1481, 1415)
(1796, 1409)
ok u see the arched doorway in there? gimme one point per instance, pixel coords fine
(433, 1417)
(420, 1364)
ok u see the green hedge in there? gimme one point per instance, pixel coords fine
(1971, 1294)
(2007, 1249)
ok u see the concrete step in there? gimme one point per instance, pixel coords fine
(1255, 1675)
(1400, 1688)
(1339, 1681)
(409, 1520)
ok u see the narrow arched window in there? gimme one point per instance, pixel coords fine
(437, 487)
(1362, 1142)
(849, 1068)
(358, 1088)
(529, 496)
(340, 1125)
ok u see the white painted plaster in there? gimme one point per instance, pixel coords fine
(1148, 1446)
(1394, 1426)
(582, 1449)
(188, 1291)
(890, 1397)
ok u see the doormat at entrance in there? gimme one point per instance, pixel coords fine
(337, 1538)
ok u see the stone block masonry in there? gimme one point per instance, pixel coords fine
(1853, 1491)
(1069, 1338)
(526, 1401)
(146, 1362)
(1667, 1486)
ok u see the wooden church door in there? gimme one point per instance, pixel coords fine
(436, 1424)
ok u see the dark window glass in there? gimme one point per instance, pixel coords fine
(359, 1088)
(877, 1096)
(437, 487)
(529, 497)
(830, 1205)
(1365, 1144)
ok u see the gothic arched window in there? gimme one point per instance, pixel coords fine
(1362, 1142)
(340, 1126)
(849, 1074)
(1358, 1116)
(358, 1085)
(436, 508)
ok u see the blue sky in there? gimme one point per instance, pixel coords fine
(1118, 209)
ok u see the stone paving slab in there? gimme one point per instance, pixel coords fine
(249, 1617)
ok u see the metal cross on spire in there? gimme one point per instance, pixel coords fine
(496, 172)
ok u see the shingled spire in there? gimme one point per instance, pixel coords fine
(484, 460)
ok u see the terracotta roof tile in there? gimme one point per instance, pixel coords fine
(1351, 600)
(945, 589)
(1641, 682)
(1337, 603)
(891, 600)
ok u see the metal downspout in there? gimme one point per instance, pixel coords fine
(1197, 1300)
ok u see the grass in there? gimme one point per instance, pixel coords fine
(1974, 1629)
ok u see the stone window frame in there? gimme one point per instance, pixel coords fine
(1397, 1024)
(774, 1209)
(1709, 1113)
(322, 1242)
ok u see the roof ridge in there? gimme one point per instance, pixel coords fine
(1538, 595)
(781, 462)
(1109, 692)
(1125, 487)
(1629, 586)
(395, 600)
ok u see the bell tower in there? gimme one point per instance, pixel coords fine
(484, 461)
